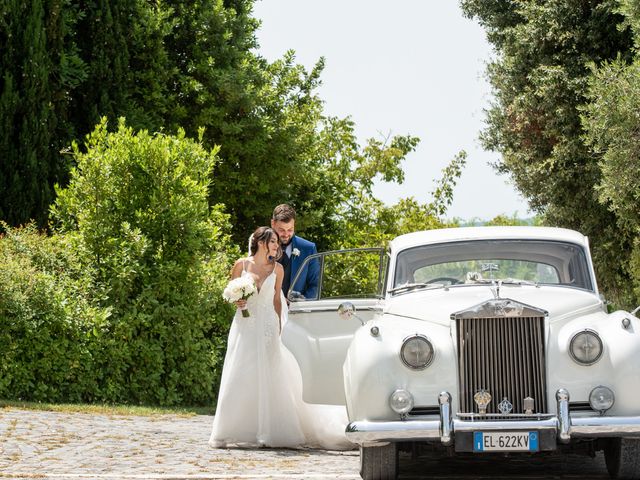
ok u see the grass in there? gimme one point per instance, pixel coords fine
(144, 411)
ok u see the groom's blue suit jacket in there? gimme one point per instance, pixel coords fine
(307, 284)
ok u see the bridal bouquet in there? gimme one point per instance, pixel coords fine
(239, 288)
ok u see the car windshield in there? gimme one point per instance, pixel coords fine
(520, 262)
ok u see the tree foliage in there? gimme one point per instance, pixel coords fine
(38, 66)
(48, 318)
(540, 80)
(174, 65)
(369, 222)
(137, 207)
(612, 131)
(139, 242)
(123, 303)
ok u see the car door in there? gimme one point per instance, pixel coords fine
(316, 334)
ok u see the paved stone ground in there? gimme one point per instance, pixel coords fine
(37, 444)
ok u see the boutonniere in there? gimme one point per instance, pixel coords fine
(295, 252)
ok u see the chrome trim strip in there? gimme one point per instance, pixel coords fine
(592, 427)
(329, 310)
(370, 433)
(477, 417)
(464, 426)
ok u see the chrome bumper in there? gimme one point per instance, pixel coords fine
(564, 426)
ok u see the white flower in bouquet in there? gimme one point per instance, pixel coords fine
(239, 288)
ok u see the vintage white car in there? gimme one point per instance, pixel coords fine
(484, 340)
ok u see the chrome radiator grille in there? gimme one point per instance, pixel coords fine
(505, 356)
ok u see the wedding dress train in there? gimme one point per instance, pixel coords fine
(260, 400)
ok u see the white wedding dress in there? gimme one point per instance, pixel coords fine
(260, 400)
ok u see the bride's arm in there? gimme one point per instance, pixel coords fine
(236, 271)
(277, 294)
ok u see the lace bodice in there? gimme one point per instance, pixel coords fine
(263, 316)
(266, 290)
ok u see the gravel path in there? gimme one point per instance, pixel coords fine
(51, 445)
(37, 444)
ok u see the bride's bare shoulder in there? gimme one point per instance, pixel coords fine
(241, 261)
(278, 269)
(238, 266)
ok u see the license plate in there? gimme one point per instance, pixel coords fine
(505, 441)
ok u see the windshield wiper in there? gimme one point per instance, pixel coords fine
(412, 286)
(516, 281)
(503, 281)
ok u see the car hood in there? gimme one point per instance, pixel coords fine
(438, 304)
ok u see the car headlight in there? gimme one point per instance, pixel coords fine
(585, 347)
(417, 352)
(601, 399)
(401, 401)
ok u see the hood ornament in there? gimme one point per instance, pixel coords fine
(495, 289)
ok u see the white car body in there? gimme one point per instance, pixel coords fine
(478, 329)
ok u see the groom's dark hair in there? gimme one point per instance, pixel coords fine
(283, 213)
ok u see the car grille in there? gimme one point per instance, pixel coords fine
(504, 356)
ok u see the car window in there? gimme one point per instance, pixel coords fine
(353, 274)
(484, 261)
(489, 269)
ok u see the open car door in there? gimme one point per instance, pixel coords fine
(316, 335)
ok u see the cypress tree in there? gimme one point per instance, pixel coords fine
(121, 41)
(27, 164)
(38, 69)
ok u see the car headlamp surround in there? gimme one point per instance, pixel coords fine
(586, 347)
(417, 352)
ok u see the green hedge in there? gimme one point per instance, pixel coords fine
(47, 344)
(122, 303)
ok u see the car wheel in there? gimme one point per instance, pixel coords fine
(622, 456)
(379, 463)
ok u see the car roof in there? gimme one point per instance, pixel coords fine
(445, 235)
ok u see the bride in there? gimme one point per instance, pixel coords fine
(260, 400)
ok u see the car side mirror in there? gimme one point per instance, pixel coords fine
(347, 310)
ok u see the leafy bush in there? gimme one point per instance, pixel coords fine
(122, 304)
(137, 209)
(47, 320)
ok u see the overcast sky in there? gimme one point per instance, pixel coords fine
(407, 67)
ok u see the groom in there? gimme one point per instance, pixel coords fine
(295, 250)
